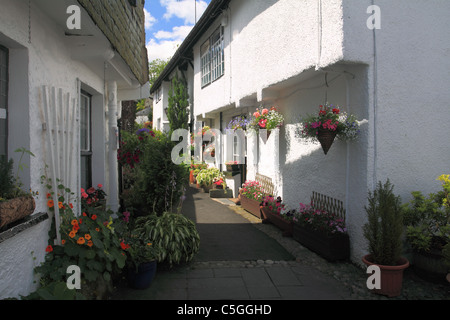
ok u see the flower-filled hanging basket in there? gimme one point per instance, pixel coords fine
(328, 124)
(326, 139)
(267, 119)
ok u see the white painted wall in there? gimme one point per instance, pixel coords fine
(394, 79)
(45, 61)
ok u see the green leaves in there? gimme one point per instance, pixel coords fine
(385, 225)
(175, 236)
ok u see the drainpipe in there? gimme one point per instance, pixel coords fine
(113, 131)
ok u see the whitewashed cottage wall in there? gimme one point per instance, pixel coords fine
(50, 64)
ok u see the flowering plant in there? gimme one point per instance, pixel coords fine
(252, 190)
(319, 220)
(219, 181)
(240, 122)
(138, 248)
(131, 146)
(92, 196)
(276, 206)
(329, 118)
(91, 241)
(268, 119)
(206, 177)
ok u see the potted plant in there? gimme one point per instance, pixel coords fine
(232, 166)
(322, 232)
(250, 196)
(427, 221)
(274, 211)
(205, 178)
(15, 204)
(329, 123)
(240, 122)
(142, 257)
(175, 236)
(268, 119)
(383, 232)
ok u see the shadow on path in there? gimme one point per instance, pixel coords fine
(225, 235)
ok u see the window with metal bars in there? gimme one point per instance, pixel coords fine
(212, 58)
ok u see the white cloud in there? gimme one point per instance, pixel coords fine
(163, 49)
(184, 9)
(177, 33)
(163, 44)
(149, 20)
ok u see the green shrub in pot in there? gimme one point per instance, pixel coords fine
(206, 177)
(175, 236)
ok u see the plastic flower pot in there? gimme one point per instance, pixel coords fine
(391, 277)
(143, 277)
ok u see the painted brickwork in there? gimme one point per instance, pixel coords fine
(123, 25)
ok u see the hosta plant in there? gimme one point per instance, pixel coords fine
(175, 236)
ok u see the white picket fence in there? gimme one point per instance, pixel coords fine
(60, 127)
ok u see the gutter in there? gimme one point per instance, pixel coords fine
(209, 16)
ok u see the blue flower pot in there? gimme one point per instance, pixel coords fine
(143, 277)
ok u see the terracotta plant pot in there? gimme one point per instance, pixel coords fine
(391, 277)
(16, 209)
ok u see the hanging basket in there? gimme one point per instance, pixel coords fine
(326, 139)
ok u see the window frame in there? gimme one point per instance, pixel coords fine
(212, 58)
(86, 153)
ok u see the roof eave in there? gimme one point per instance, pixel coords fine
(205, 21)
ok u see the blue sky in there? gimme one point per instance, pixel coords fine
(168, 22)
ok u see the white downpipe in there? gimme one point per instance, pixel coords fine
(113, 200)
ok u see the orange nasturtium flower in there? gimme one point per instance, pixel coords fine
(60, 204)
(72, 234)
(90, 243)
(63, 241)
(50, 203)
(81, 240)
(94, 217)
(87, 236)
(49, 248)
(74, 222)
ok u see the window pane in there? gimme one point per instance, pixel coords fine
(217, 62)
(85, 171)
(85, 123)
(205, 63)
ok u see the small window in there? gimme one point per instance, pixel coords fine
(85, 140)
(205, 63)
(212, 58)
(3, 100)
